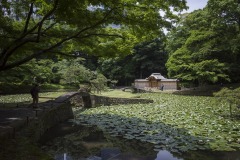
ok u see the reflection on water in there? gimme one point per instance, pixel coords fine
(162, 155)
(63, 156)
(90, 143)
(165, 155)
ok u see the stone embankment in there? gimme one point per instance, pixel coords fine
(106, 101)
(35, 122)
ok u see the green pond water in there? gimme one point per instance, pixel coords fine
(69, 141)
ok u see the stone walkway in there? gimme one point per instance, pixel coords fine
(13, 119)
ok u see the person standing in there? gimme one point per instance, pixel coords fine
(35, 95)
(162, 86)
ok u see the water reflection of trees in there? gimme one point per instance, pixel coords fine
(161, 136)
(89, 140)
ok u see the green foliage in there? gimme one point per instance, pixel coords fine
(13, 88)
(226, 23)
(72, 71)
(230, 95)
(39, 71)
(209, 71)
(148, 57)
(7, 88)
(48, 73)
(25, 99)
(198, 51)
(99, 83)
(105, 28)
(112, 68)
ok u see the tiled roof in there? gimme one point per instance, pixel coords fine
(157, 76)
(169, 80)
(141, 80)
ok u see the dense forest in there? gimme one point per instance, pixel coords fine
(116, 42)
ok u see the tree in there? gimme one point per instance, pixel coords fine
(73, 71)
(147, 57)
(99, 83)
(36, 70)
(226, 22)
(107, 28)
(113, 69)
(202, 52)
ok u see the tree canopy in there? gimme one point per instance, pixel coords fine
(148, 57)
(204, 47)
(50, 28)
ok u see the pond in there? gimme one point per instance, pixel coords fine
(69, 141)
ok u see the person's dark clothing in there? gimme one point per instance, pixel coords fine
(162, 86)
(34, 93)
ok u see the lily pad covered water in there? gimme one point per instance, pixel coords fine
(174, 123)
(20, 98)
(88, 143)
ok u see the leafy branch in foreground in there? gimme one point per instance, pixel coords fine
(31, 29)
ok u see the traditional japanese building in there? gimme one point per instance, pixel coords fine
(156, 80)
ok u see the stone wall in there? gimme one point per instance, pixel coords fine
(106, 101)
(48, 118)
(62, 111)
(35, 123)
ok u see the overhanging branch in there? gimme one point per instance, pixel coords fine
(5, 66)
(19, 42)
(28, 18)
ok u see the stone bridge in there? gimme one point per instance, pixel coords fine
(95, 101)
(50, 113)
(86, 98)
